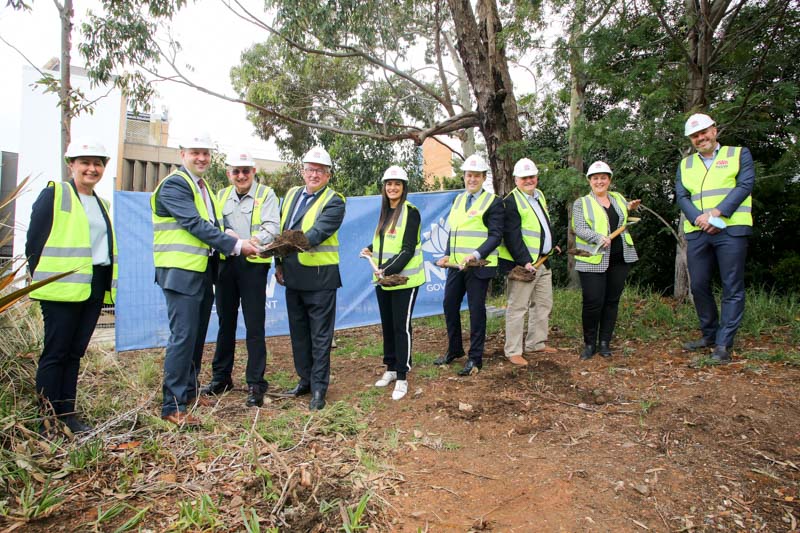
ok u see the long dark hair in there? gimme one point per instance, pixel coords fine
(385, 218)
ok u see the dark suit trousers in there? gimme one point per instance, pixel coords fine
(245, 282)
(188, 323)
(68, 327)
(311, 319)
(458, 283)
(704, 254)
(601, 294)
(396, 308)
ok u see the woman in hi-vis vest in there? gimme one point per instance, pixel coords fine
(594, 217)
(70, 231)
(396, 250)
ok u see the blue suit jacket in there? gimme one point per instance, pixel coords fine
(176, 199)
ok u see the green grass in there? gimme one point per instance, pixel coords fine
(424, 367)
(281, 379)
(281, 429)
(779, 355)
(353, 347)
(768, 313)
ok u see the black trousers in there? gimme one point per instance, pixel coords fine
(601, 294)
(311, 319)
(68, 326)
(396, 308)
(460, 282)
(245, 282)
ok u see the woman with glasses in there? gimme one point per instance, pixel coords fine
(396, 250)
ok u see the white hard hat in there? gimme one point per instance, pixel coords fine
(395, 173)
(201, 140)
(697, 122)
(599, 167)
(319, 155)
(239, 159)
(525, 167)
(475, 163)
(85, 146)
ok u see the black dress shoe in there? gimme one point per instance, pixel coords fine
(604, 349)
(255, 396)
(588, 352)
(216, 388)
(699, 344)
(76, 425)
(446, 359)
(317, 401)
(470, 368)
(721, 355)
(298, 390)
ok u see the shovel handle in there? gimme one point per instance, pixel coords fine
(371, 263)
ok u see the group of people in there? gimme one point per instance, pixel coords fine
(202, 240)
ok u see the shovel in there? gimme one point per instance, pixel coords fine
(615, 233)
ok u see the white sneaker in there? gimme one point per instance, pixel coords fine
(386, 378)
(400, 389)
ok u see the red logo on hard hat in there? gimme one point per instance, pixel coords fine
(694, 123)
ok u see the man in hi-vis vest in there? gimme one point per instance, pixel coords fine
(476, 230)
(187, 239)
(248, 210)
(312, 277)
(713, 189)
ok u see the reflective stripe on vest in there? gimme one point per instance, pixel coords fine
(531, 227)
(597, 219)
(255, 216)
(325, 253)
(709, 187)
(68, 247)
(467, 230)
(392, 244)
(173, 246)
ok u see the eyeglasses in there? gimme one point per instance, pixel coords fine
(243, 171)
(317, 171)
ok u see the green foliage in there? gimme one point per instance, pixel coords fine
(197, 515)
(352, 518)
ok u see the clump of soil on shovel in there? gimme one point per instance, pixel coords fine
(475, 263)
(289, 241)
(519, 273)
(392, 280)
(578, 253)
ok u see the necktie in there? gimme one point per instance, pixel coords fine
(470, 198)
(204, 193)
(301, 206)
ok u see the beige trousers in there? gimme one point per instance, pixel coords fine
(535, 299)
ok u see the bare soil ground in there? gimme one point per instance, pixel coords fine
(636, 442)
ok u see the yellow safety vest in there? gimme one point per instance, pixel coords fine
(393, 243)
(69, 247)
(597, 219)
(325, 253)
(531, 227)
(467, 230)
(709, 187)
(255, 217)
(173, 246)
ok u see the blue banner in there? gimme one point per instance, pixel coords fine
(141, 312)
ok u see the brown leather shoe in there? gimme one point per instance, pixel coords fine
(546, 349)
(517, 360)
(179, 418)
(202, 401)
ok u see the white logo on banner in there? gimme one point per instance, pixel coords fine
(435, 243)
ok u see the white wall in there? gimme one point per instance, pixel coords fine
(40, 141)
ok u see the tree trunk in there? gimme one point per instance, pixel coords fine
(463, 98)
(480, 48)
(577, 94)
(682, 282)
(65, 13)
